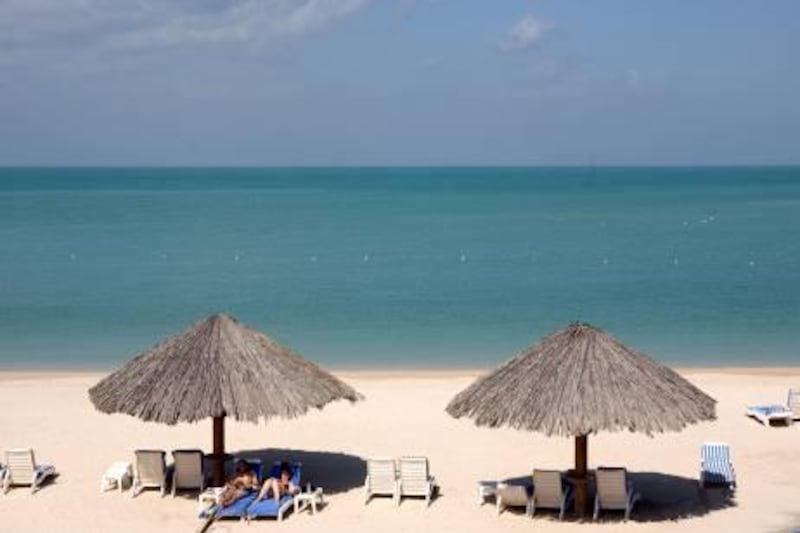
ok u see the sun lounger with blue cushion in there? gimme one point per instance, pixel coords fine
(767, 414)
(238, 509)
(716, 466)
(268, 507)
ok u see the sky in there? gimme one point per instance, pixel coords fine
(399, 82)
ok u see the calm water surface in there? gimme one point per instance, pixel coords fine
(401, 267)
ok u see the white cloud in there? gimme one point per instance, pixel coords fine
(526, 32)
(34, 29)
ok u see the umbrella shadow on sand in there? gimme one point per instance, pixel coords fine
(336, 472)
(664, 497)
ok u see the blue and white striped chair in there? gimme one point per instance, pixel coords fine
(716, 466)
(793, 403)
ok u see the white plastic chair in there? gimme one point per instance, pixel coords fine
(188, 471)
(414, 479)
(549, 492)
(614, 491)
(381, 479)
(150, 471)
(21, 469)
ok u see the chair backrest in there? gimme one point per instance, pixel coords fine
(716, 457)
(547, 489)
(381, 474)
(413, 472)
(188, 472)
(20, 465)
(793, 402)
(297, 470)
(151, 467)
(612, 487)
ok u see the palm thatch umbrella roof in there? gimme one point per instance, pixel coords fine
(579, 381)
(218, 367)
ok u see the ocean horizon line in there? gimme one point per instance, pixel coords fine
(418, 166)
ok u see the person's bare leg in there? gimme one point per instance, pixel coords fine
(264, 489)
(229, 496)
(276, 490)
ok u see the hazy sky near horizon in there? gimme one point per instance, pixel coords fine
(402, 82)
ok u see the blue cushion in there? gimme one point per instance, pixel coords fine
(237, 509)
(267, 506)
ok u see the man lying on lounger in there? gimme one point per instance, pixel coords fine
(243, 481)
(281, 486)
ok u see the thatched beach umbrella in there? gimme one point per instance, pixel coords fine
(579, 381)
(218, 368)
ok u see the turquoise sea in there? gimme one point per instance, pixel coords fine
(401, 267)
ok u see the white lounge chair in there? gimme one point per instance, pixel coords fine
(550, 492)
(21, 469)
(188, 471)
(512, 496)
(716, 465)
(767, 414)
(414, 479)
(150, 472)
(614, 491)
(381, 479)
(793, 403)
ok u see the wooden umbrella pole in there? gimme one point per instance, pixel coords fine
(219, 451)
(580, 478)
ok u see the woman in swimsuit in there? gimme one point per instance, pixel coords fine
(279, 486)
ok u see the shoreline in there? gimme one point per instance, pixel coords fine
(409, 373)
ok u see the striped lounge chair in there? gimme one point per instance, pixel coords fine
(716, 466)
(793, 403)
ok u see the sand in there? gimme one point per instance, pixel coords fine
(403, 414)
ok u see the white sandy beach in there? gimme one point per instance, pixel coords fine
(403, 414)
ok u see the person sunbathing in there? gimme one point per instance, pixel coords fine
(279, 486)
(242, 482)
